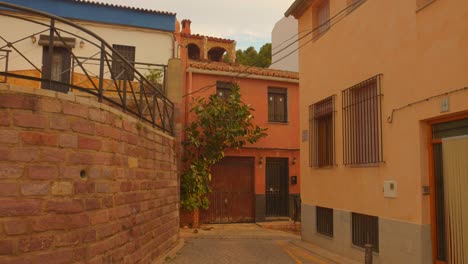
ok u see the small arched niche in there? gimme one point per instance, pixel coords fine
(216, 54)
(193, 51)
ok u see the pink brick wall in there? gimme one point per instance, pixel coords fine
(82, 182)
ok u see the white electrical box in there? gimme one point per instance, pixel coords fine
(390, 189)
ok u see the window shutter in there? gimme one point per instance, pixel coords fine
(271, 107)
(281, 108)
(323, 16)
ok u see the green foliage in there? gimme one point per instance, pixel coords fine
(154, 76)
(218, 125)
(250, 57)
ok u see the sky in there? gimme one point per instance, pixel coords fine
(249, 22)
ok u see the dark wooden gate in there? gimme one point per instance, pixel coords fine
(276, 191)
(232, 197)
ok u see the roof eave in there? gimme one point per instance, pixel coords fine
(297, 8)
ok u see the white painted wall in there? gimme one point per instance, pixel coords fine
(283, 34)
(151, 46)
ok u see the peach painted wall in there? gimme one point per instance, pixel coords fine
(420, 54)
(282, 140)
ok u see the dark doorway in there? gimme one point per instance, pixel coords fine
(232, 198)
(58, 69)
(277, 190)
(446, 190)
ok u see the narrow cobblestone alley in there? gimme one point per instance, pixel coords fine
(247, 243)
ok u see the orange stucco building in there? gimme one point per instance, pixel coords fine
(384, 86)
(260, 180)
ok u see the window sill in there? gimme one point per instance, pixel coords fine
(424, 5)
(325, 167)
(324, 236)
(278, 123)
(374, 253)
(367, 165)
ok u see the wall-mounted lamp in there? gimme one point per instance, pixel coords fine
(260, 160)
(33, 39)
(82, 44)
(294, 160)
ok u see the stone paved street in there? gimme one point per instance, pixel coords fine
(247, 243)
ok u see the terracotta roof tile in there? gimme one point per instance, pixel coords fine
(208, 37)
(244, 70)
(125, 7)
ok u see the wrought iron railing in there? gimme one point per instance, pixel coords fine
(137, 88)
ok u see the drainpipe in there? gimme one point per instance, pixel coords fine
(173, 40)
(188, 89)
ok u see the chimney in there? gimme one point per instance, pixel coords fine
(186, 26)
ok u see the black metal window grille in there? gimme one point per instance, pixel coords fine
(362, 123)
(223, 89)
(120, 71)
(277, 105)
(365, 230)
(324, 221)
(322, 133)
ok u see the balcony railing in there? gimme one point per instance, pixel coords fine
(98, 71)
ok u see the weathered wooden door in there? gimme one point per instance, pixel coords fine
(232, 197)
(277, 190)
(58, 69)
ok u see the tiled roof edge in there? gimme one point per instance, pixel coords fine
(244, 70)
(208, 37)
(126, 7)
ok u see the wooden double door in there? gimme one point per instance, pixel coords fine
(232, 199)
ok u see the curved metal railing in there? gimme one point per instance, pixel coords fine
(101, 72)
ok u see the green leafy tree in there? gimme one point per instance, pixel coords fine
(155, 76)
(250, 57)
(264, 56)
(218, 124)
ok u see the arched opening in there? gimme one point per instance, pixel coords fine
(193, 52)
(216, 54)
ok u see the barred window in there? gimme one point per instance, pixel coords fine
(223, 89)
(362, 123)
(324, 221)
(277, 106)
(322, 133)
(120, 70)
(365, 230)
